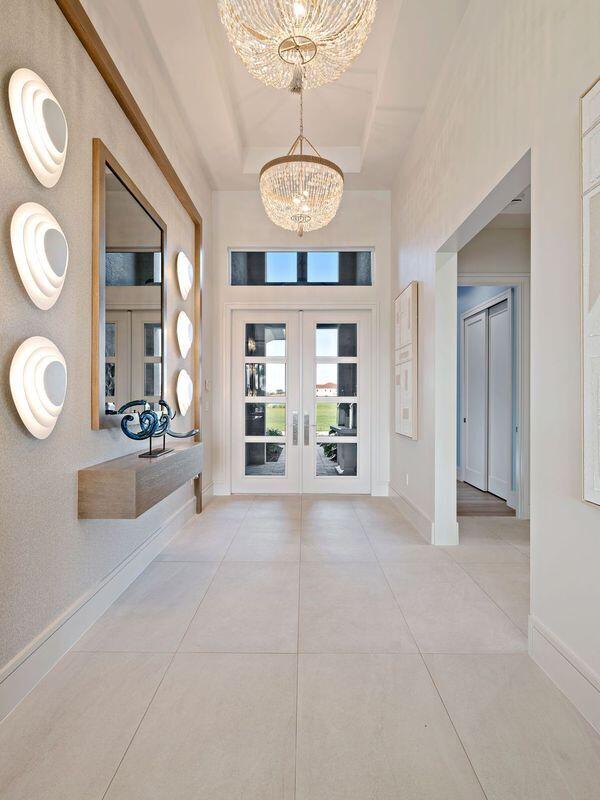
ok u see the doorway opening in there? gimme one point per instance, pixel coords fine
(462, 259)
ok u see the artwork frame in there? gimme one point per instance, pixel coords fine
(406, 351)
(590, 293)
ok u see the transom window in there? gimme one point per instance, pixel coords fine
(301, 268)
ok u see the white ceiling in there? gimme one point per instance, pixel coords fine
(364, 121)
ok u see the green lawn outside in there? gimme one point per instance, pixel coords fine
(326, 416)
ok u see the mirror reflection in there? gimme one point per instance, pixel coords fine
(133, 294)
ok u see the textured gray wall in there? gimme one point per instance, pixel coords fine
(49, 559)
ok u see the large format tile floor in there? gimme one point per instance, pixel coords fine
(313, 648)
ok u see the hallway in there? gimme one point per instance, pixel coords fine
(314, 648)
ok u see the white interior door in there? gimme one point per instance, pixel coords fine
(265, 413)
(301, 402)
(500, 400)
(336, 402)
(475, 400)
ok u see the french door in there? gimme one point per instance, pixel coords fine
(301, 402)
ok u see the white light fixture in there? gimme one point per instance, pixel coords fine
(293, 44)
(40, 124)
(185, 333)
(301, 192)
(38, 383)
(41, 253)
(185, 274)
(185, 392)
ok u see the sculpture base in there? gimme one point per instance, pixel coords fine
(156, 453)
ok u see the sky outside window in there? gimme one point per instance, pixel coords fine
(282, 268)
(323, 267)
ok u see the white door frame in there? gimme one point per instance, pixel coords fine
(445, 525)
(225, 438)
(521, 284)
(486, 304)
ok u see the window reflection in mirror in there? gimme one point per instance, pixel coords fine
(133, 352)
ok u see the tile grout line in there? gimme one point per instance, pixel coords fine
(491, 599)
(169, 665)
(422, 657)
(458, 736)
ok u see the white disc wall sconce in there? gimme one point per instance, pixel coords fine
(185, 274)
(41, 253)
(38, 383)
(185, 392)
(185, 333)
(40, 124)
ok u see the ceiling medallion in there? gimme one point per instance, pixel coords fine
(301, 192)
(292, 44)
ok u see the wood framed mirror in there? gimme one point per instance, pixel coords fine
(128, 293)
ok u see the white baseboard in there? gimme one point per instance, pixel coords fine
(28, 668)
(512, 501)
(446, 534)
(208, 492)
(574, 678)
(460, 475)
(380, 490)
(413, 514)
(221, 489)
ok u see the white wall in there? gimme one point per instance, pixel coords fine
(497, 251)
(512, 82)
(239, 221)
(139, 62)
(52, 563)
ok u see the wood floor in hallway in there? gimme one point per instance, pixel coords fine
(472, 502)
(308, 648)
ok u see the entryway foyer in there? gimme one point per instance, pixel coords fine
(308, 647)
(300, 378)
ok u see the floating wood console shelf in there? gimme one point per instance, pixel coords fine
(126, 487)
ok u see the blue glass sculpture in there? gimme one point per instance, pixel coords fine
(151, 424)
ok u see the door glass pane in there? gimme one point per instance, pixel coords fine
(336, 340)
(323, 267)
(265, 379)
(110, 340)
(265, 340)
(336, 380)
(265, 459)
(265, 419)
(152, 339)
(336, 460)
(152, 386)
(109, 378)
(336, 419)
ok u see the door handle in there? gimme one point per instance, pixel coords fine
(295, 428)
(306, 429)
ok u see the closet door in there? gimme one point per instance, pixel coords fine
(475, 420)
(500, 400)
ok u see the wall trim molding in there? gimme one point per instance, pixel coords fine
(413, 514)
(208, 492)
(28, 667)
(576, 680)
(380, 489)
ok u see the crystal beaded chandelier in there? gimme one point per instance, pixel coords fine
(301, 192)
(297, 43)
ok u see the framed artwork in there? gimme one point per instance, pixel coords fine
(590, 316)
(406, 330)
